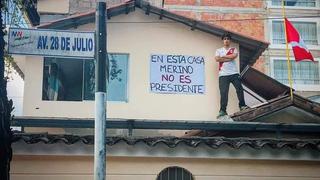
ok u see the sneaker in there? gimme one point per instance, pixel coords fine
(225, 118)
(244, 107)
(221, 114)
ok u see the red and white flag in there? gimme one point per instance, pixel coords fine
(300, 50)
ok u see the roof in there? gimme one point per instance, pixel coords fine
(263, 85)
(278, 100)
(276, 94)
(172, 142)
(212, 134)
(251, 48)
(277, 104)
(265, 112)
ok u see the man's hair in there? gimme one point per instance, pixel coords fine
(227, 34)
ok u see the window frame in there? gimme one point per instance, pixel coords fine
(270, 5)
(178, 167)
(83, 79)
(42, 82)
(127, 89)
(297, 87)
(283, 46)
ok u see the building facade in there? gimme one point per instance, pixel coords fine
(303, 15)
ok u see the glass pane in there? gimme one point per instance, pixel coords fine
(62, 79)
(300, 3)
(307, 31)
(278, 32)
(304, 72)
(118, 76)
(117, 86)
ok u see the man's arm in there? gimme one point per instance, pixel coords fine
(231, 56)
(226, 58)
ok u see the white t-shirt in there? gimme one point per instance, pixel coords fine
(230, 67)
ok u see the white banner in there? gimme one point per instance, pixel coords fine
(54, 43)
(177, 74)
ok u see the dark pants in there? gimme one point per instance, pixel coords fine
(224, 82)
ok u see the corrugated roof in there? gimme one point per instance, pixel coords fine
(275, 105)
(263, 85)
(268, 108)
(172, 142)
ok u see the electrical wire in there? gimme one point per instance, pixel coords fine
(207, 21)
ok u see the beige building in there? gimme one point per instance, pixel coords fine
(138, 36)
(132, 38)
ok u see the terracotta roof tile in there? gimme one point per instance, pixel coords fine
(172, 142)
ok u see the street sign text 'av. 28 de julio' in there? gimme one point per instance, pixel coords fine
(45, 42)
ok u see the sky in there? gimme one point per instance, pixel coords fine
(15, 92)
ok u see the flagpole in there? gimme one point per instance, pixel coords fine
(287, 50)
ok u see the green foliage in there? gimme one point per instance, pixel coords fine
(11, 12)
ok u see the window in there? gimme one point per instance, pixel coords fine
(303, 72)
(299, 3)
(74, 79)
(307, 30)
(62, 79)
(175, 173)
(117, 85)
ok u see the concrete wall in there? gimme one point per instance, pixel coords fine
(53, 6)
(81, 168)
(141, 40)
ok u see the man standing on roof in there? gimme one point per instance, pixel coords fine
(228, 73)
